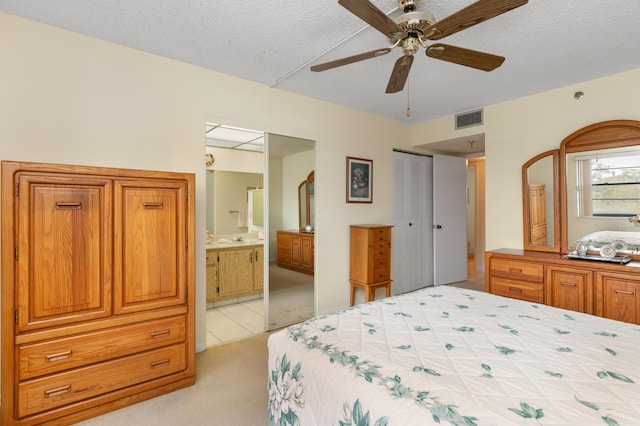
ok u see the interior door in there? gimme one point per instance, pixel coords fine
(412, 222)
(450, 219)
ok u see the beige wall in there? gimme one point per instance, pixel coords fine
(517, 130)
(67, 98)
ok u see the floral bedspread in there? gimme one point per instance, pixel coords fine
(445, 355)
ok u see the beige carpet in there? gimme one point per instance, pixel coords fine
(290, 297)
(230, 390)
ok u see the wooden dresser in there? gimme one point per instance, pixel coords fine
(600, 288)
(370, 260)
(295, 251)
(97, 289)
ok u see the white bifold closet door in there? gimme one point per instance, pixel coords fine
(429, 219)
(412, 251)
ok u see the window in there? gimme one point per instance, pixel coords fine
(609, 185)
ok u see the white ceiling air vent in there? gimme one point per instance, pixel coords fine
(468, 119)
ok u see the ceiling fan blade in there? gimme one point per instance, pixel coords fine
(350, 59)
(373, 16)
(469, 58)
(399, 74)
(471, 15)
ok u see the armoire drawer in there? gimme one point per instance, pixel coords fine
(70, 352)
(517, 270)
(43, 394)
(517, 290)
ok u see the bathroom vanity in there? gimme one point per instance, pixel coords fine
(234, 269)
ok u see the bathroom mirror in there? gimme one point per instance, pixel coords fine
(306, 207)
(540, 202)
(580, 215)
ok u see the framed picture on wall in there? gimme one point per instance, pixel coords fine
(359, 180)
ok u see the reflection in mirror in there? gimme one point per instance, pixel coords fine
(226, 197)
(291, 252)
(600, 173)
(540, 202)
(306, 210)
(602, 194)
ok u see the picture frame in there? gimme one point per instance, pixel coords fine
(359, 180)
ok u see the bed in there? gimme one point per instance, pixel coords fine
(446, 355)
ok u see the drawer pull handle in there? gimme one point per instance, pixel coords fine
(568, 284)
(160, 334)
(627, 292)
(515, 289)
(58, 357)
(159, 364)
(57, 391)
(518, 270)
(156, 206)
(72, 205)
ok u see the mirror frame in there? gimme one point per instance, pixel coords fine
(307, 219)
(555, 248)
(602, 135)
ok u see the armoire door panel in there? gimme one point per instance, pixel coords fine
(150, 236)
(63, 250)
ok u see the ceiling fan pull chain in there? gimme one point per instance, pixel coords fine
(408, 107)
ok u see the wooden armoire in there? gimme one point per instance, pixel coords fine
(537, 215)
(97, 289)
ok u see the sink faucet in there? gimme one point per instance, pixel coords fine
(238, 238)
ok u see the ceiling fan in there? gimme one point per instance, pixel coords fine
(415, 28)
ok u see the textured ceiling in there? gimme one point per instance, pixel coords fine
(547, 44)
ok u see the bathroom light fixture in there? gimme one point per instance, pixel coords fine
(578, 95)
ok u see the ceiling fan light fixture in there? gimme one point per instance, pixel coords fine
(410, 45)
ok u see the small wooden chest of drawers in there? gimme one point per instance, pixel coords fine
(370, 259)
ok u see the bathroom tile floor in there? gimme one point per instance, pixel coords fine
(233, 322)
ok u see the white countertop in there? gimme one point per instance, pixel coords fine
(225, 243)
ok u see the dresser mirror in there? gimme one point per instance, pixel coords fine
(540, 201)
(306, 204)
(600, 183)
